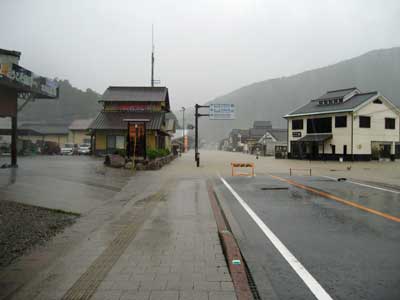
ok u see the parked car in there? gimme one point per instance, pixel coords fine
(84, 149)
(67, 149)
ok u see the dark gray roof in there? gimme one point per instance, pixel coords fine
(80, 124)
(10, 52)
(115, 120)
(242, 132)
(262, 124)
(313, 107)
(136, 94)
(315, 137)
(257, 132)
(45, 129)
(337, 93)
(279, 134)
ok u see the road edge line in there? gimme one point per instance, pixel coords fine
(313, 285)
(230, 249)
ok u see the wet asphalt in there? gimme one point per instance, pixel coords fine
(353, 254)
(70, 183)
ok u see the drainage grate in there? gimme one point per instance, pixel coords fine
(252, 284)
(274, 188)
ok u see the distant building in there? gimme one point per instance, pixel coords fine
(237, 139)
(142, 107)
(256, 133)
(261, 138)
(79, 131)
(272, 138)
(345, 124)
(43, 132)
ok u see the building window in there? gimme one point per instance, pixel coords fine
(297, 124)
(120, 142)
(365, 122)
(319, 125)
(341, 121)
(111, 141)
(390, 123)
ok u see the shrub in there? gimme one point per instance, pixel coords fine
(154, 153)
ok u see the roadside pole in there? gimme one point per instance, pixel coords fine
(183, 126)
(196, 137)
(215, 112)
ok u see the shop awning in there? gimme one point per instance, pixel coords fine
(315, 138)
(117, 120)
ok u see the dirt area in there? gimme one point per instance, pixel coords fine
(23, 227)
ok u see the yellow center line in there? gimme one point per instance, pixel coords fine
(338, 199)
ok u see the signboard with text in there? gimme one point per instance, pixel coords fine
(29, 81)
(221, 111)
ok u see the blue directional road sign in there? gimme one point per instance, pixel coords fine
(221, 111)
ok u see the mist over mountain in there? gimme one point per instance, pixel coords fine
(72, 104)
(272, 99)
(266, 100)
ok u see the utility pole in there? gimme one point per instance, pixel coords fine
(183, 126)
(152, 55)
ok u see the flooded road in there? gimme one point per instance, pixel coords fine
(352, 253)
(70, 183)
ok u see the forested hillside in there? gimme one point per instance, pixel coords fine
(272, 99)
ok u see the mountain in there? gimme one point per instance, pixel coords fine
(72, 104)
(272, 99)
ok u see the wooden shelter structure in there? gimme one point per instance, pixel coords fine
(16, 83)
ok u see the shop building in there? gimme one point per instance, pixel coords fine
(39, 133)
(133, 120)
(79, 131)
(345, 124)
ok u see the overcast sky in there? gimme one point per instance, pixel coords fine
(204, 48)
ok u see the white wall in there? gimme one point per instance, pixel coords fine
(362, 137)
(341, 136)
(377, 133)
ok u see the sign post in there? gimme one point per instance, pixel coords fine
(215, 112)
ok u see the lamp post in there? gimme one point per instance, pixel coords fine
(183, 125)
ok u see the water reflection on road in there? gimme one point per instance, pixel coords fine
(71, 183)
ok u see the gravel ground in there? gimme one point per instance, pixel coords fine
(24, 226)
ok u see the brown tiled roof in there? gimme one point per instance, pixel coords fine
(115, 120)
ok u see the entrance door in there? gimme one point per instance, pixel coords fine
(344, 149)
(137, 139)
(314, 150)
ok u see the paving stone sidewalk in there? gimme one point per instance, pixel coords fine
(175, 255)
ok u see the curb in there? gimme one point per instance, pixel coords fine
(231, 249)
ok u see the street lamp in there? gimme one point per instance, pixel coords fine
(183, 125)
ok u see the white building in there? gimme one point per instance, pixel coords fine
(272, 138)
(345, 123)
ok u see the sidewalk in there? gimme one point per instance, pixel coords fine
(162, 245)
(175, 255)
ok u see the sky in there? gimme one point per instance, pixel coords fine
(203, 48)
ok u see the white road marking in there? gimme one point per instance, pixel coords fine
(366, 185)
(308, 279)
